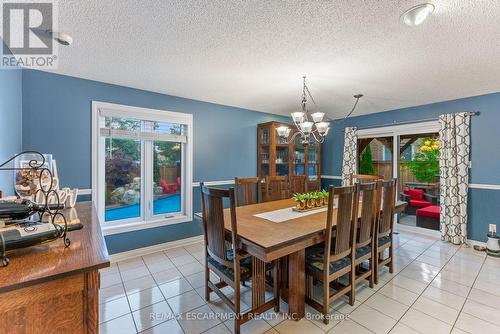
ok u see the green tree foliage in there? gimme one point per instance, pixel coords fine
(425, 163)
(366, 162)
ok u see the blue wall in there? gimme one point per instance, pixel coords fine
(59, 107)
(484, 206)
(10, 123)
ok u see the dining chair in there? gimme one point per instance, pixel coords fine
(361, 178)
(334, 258)
(277, 187)
(247, 190)
(298, 184)
(225, 257)
(385, 227)
(369, 194)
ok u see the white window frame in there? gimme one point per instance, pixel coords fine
(147, 219)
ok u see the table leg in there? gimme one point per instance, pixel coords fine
(258, 283)
(296, 284)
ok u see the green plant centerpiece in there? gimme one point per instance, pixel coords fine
(310, 200)
(425, 163)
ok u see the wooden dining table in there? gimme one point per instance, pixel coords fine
(266, 241)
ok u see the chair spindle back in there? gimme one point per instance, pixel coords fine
(386, 221)
(247, 190)
(369, 197)
(212, 200)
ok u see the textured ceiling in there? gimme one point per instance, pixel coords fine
(252, 54)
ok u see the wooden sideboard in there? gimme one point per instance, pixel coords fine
(53, 289)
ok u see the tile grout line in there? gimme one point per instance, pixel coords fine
(424, 291)
(126, 295)
(468, 294)
(397, 321)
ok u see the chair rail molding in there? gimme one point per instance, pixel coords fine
(331, 177)
(484, 186)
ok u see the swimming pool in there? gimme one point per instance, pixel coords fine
(160, 206)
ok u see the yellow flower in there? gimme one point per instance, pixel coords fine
(427, 143)
(435, 147)
(424, 148)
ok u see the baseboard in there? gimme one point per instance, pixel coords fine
(155, 248)
(432, 233)
(473, 243)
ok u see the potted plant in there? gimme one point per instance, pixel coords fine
(318, 198)
(300, 201)
(325, 194)
(310, 201)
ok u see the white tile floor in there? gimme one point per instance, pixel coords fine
(436, 288)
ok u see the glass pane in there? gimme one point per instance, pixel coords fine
(299, 161)
(167, 177)
(419, 163)
(312, 168)
(282, 161)
(122, 179)
(166, 128)
(264, 137)
(122, 123)
(375, 156)
(264, 161)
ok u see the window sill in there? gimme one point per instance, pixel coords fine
(141, 225)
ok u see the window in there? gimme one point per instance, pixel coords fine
(142, 167)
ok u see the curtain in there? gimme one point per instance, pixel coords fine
(454, 165)
(350, 152)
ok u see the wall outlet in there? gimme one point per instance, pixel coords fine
(492, 228)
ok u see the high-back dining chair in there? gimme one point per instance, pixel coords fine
(362, 178)
(369, 194)
(247, 190)
(298, 184)
(277, 187)
(385, 226)
(335, 257)
(224, 257)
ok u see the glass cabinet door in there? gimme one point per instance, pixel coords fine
(312, 168)
(281, 160)
(264, 136)
(264, 161)
(299, 161)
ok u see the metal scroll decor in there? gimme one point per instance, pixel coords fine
(49, 203)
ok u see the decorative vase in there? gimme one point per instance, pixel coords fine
(300, 205)
(310, 203)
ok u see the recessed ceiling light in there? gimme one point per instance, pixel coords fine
(61, 37)
(417, 14)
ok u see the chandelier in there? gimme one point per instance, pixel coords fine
(310, 125)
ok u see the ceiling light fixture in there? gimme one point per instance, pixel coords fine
(61, 37)
(310, 126)
(417, 14)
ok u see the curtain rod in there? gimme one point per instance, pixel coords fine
(469, 113)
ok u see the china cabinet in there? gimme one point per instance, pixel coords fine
(276, 158)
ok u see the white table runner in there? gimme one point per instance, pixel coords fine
(281, 215)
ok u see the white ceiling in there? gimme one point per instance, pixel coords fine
(252, 54)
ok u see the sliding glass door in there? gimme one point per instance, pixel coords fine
(409, 153)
